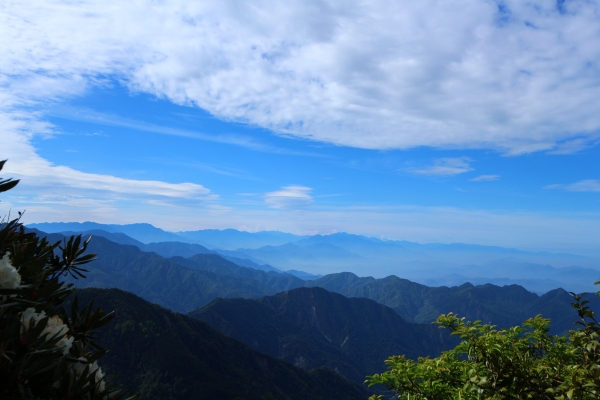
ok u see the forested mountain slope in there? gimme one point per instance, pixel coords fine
(170, 284)
(503, 306)
(164, 355)
(214, 263)
(312, 327)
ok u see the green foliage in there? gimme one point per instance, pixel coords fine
(523, 362)
(44, 353)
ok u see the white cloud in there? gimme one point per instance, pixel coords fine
(588, 185)
(293, 197)
(445, 167)
(485, 178)
(371, 74)
(374, 74)
(40, 176)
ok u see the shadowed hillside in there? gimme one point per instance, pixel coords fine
(165, 355)
(312, 327)
(503, 306)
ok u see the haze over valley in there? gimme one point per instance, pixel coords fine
(310, 257)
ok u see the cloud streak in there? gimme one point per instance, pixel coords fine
(99, 118)
(485, 178)
(445, 167)
(292, 197)
(587, 185)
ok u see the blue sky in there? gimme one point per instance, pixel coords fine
(432, 122)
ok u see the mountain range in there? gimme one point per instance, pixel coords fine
(433, 264)
(338, 322)
(185, 284)
(503, 306)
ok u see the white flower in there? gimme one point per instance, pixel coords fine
(54, 327)
(80, 366)
(9, 276)
(98, 376)
(94, 370)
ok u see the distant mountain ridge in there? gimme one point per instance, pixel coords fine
(535, 277)
(142, 232)
(184, 284)
(503, 306)
(171, 249)
(433, 264)
(232, 239)
(164, 249)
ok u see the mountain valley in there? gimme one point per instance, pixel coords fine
(339, 323)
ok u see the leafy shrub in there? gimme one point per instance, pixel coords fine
(46, 353)
(523, 362)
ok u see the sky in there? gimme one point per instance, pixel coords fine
(431, 121)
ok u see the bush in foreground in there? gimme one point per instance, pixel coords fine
(523, 362)
(46, 353)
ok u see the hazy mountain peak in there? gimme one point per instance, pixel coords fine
(143, 232)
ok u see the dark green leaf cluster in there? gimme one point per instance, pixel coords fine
(523, 362)
(45, 353)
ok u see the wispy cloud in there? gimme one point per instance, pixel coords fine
(39, 176)
(485, 178)
(445, 167)
(363, 74)
(572, 146)
(293, 197)
(588, 185)
(233, 172)
(106, 119)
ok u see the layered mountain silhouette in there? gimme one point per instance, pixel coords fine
(311, 327)
(341, 322)
(503, 306)
(185, 284)
(168, 283)
(433, 264)
(232, 239)
(164, 355)
(144, 233)
(172, 249)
